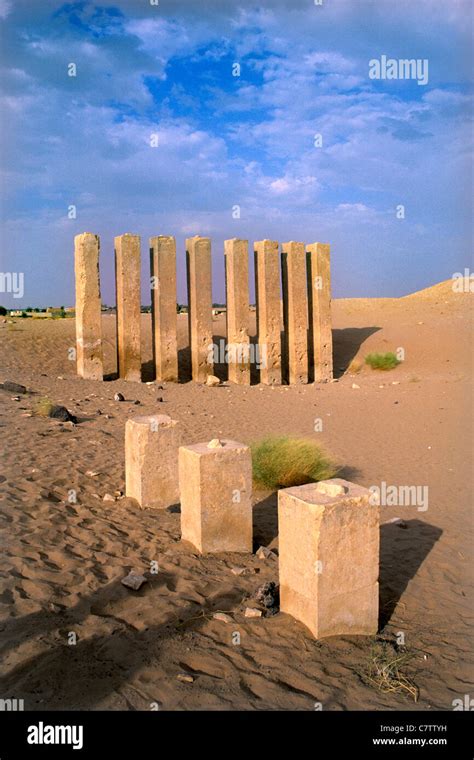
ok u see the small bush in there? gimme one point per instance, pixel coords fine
(384, 670)
(282, 462)
(382, 361)
(43, 407)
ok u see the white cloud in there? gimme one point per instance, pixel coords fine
(5, 8)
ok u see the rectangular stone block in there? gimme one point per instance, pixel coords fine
(199, 274)
(127, 277)
(151, 460)
(320, 321)
(88, 307)
(295, 312)
(215, 481)
(237, 297)
(163, 307)
(329, 557)
(267, 291)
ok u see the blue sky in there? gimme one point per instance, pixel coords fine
(229, 140)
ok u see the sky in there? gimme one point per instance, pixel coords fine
(157, 135)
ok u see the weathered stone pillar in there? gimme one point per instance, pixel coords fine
(267, 290)
(151, 460)
(88, 307)
(199, 274)
(215, 481)
(329, 557)
(163, 307)
(237, 290)
(127, 276)
(320, 322)
(295, 312)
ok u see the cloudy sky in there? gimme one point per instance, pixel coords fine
(226, 141)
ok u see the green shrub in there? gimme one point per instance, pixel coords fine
(382, 361)
(43, 407)
(282, 462)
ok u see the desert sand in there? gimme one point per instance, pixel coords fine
(62, 562)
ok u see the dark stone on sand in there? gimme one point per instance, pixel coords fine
(269, 596)
(12, 387)
(58, 412)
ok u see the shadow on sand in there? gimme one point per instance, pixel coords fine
(346, 344)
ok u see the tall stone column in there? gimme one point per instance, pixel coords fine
(127, 276)
(199, 274)
(267, 289)
(320, 322)
(88, 307)
(237, 292)
(328, 554)
(295, 312)
(163, 307)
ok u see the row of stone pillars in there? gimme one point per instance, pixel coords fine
(328, 532)
(301, 353)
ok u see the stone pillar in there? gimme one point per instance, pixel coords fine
(163, 307)
(88, 307)
(215, 481)
(295, 312)
(199, 274)
(329, 557)
(127, 277)
(151, 460)
(237, 297)
(267, 290)
(319, 301)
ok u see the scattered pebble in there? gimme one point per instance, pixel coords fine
(108, 497)
(185, 678)
(119, 397)
(264, 553)
(354, 386)
(397, 521)
(215, 444)
(223, 617)
(133, 581)
(252, 612)
(212, 380)
(239, 570)
(92, 473)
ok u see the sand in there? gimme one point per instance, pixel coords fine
(62, 562)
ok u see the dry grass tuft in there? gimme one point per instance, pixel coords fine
(282, 462)
(384, 670)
